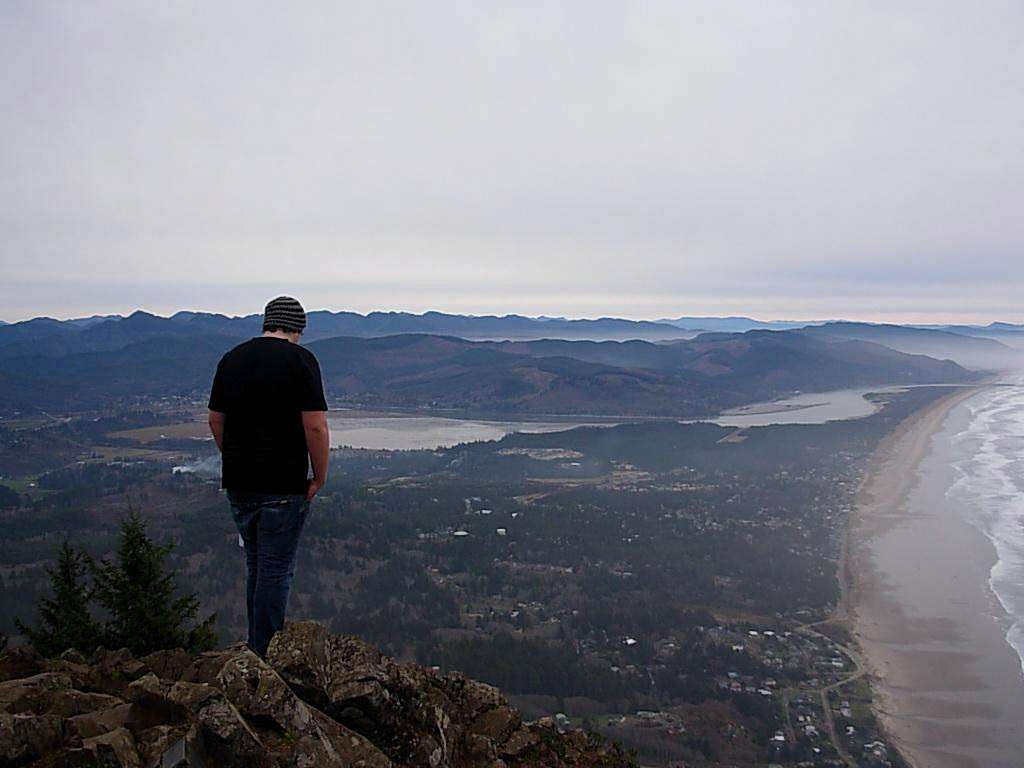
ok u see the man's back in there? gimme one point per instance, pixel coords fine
(263, 385)
(269, 419)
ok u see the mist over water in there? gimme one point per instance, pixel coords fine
(988, 487)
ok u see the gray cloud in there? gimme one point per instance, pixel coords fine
(646, 159)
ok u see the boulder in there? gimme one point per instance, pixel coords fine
(74, 656)
(144, 710)
(222, 737)
(496, 723)
(162, 746)
(191, 696)
(62, 702)
(83, 677)
(19, 662)
(114, 670)
(205, 666)
(414, 715)
(24, 738)
(518, 743)
(28, 694)
(93, 724)
(152, 704)
(169, 664)
(296, 732)
(114, 748)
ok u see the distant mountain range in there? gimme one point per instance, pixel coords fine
(971, 350)
(100, 332)
(49, 336)
(735, 324)
(45, 364)
(1009, 334)
(971, 346)
(991, 327)
(508, 364)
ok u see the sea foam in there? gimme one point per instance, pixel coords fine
(988, 489)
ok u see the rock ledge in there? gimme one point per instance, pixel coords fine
(318, 701)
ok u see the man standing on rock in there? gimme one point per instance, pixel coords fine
(269, 419)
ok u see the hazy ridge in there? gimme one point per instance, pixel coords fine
(87, 363)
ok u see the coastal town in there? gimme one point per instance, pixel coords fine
(672, 587)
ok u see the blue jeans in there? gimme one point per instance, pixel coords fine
(269, 526)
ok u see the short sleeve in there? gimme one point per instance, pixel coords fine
(311, 388)
(218, 402)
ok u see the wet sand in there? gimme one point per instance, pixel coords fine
(948, 686)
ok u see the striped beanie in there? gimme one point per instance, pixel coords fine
(285, 313)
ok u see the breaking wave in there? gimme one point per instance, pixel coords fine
(988, 465)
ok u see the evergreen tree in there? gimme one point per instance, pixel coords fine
(64, 619)
(139, 594)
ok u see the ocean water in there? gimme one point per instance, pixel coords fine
(988, 490)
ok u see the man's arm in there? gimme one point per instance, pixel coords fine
(217, 420)
(318, 443)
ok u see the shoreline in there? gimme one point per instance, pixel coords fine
(884, 483)
(932, 689)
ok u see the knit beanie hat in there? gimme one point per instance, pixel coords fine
(285, 313)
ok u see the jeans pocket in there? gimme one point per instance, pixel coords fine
(284, 514)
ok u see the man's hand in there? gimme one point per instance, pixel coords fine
(217, 421)
(313, 488)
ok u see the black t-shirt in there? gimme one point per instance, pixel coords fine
(262, 386)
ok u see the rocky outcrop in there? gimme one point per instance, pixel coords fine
(318, 701)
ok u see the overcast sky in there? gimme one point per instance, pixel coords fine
(784, 160)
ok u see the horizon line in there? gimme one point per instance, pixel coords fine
(539, 317)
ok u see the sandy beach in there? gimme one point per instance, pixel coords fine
(948, 686)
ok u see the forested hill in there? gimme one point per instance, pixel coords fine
(686, 378)
(971, 350)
